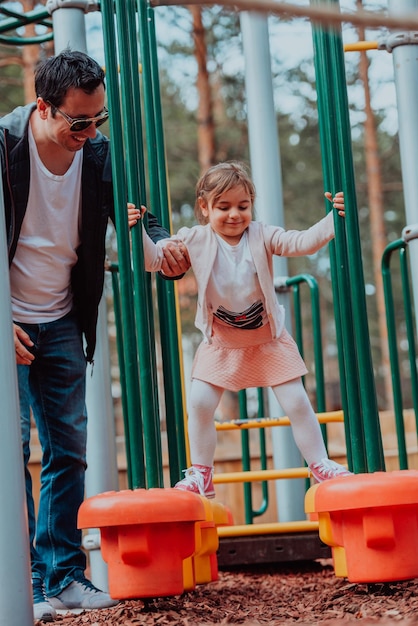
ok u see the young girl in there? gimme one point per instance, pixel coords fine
(245, 343)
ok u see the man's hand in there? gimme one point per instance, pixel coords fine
(176, 259)
(21, 340)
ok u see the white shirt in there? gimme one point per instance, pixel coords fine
(40, 274)
(234, 293)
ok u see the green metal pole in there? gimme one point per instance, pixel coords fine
(26, 41)
(263, 456)
(134, 439)
(121, 356)
(170, 331)
(409, 322)
(297, 312)
(246, 458)
(361, 394)
(367, 387)
(393, 351)
(17, 20)
(129, 73)
(312, 284)
(295, 283)
(338, 255)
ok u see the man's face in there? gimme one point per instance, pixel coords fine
(77, 105)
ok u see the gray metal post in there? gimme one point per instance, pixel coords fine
(69, 31)
(266, 171)
(102, 471)
(15, 598)
(69, 23)
(405, 62)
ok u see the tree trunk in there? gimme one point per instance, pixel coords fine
(377, 229)
(206, 126)
(30, 55)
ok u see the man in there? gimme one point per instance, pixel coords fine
(58, 198)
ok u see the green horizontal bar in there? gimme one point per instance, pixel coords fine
(20, 19)
(25, 41)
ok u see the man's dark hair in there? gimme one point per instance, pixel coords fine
(68, 69)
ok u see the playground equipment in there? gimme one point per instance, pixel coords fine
(400, 245)
(370, 520)
(146, 534)
(364, 449)
(157, 542)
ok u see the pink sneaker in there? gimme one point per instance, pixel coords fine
(327, 469)
(198, 479)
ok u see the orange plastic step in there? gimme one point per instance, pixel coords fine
(145, 536)
(202, 566)
(371, 523)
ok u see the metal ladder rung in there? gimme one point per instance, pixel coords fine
(260, 475)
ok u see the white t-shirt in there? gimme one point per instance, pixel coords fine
(234, 292)
(40, 274)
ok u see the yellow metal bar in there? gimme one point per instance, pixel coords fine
(267, 422)
(358, 46)
(267, 529)
(260, 475)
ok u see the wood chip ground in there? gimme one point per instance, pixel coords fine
(301, 593)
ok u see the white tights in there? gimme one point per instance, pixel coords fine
(292, 397)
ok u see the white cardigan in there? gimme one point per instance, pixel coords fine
(264, 242)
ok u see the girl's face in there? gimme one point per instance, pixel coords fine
(230, 214)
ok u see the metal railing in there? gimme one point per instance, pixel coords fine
(400, 246)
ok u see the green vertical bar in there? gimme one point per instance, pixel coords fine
(121, 355)
(263, 456)
(361, 382)
(368, 397)
(317, 334)
(129, 66)
(310, 281)
(409, 322)
(297, 313)
(169, 326)
(246, 458)
(338, 254)
(393, 351)
(402, 246)
(134, 442)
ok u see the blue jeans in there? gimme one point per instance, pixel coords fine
(54, 387)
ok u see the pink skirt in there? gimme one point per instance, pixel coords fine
(238, 359)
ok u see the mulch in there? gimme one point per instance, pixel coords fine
(304, 593)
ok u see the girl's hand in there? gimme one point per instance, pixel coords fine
(134, 214)
(337, 202)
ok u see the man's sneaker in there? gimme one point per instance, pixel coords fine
(198, 479)
(42, 609)
(82, 594)
(327, 469)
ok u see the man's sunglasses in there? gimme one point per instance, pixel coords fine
(78, 124)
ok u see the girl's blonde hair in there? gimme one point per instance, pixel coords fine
(221, 178)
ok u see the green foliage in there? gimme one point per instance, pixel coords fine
(11, 79)
(180, 139)
(179, 100)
